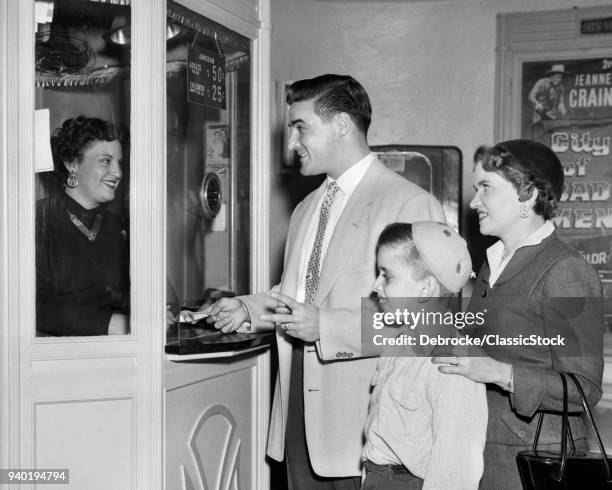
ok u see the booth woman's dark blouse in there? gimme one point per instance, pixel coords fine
(79, 283)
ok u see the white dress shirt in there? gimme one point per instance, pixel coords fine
(347, 184)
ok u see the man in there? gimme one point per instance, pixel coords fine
(547, 98)
(322, 389)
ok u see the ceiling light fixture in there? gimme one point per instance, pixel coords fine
(120, 32)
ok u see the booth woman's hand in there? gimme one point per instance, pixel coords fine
(170, 317)
(481, 369)
(118, 324)
(301, 322)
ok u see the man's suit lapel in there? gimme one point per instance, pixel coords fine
(302, 218)
(347, 232)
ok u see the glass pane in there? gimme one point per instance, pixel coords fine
(208, 164)
(82, 147)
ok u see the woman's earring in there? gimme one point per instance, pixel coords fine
(73, 179)
(524, 211)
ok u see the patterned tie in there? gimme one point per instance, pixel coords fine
(312, 271)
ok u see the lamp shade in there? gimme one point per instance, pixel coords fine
(120, 32)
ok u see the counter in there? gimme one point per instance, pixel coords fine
(217, 411)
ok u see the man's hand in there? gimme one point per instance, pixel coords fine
(301, 321)
(227, 314)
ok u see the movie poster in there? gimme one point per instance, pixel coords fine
(567, 105)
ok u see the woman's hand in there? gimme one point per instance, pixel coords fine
(118, 325)
(481, 369)
(170, 316)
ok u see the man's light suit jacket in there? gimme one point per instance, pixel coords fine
(336, 377)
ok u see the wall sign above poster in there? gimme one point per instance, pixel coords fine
(205, 77)
(596, 26)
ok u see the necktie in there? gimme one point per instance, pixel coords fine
(312, 271)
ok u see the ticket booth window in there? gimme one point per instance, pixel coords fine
(207, 165)
(82, 149)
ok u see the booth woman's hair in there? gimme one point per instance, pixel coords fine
(332, 95)
(70, 141)
(496, 159)
(400, 235)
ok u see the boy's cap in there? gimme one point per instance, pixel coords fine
(444, 252)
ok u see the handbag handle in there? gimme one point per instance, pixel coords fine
(536, 438)
(564, 434)
(565, 426)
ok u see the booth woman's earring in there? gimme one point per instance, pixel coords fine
(73, 179)
(524, 211)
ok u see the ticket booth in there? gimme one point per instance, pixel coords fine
(154, 400)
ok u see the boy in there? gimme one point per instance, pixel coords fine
(425, 429)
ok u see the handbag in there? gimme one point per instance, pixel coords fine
(553, 471)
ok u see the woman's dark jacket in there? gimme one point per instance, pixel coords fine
(79, 283)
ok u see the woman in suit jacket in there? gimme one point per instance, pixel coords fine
(537, 292)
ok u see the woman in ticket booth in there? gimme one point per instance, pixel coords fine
(82, 268)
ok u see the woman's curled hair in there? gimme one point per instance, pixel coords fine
(525, 176)
(70, 141)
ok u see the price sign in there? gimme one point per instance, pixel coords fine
(205, 77)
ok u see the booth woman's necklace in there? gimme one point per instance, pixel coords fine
(92, 233)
